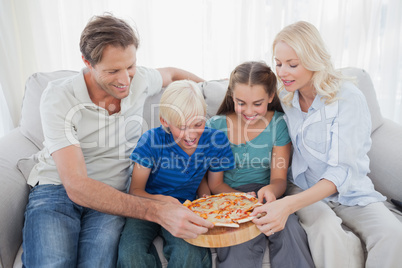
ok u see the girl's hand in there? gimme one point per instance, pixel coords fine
(277, 213)
(252, 194)
(267, 194)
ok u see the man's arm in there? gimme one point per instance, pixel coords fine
(87, 192)
(170, 74)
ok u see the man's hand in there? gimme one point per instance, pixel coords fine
(171, 74)
(167, 199)
(182, 222)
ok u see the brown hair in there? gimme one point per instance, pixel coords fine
(251, 73)
(102, 31)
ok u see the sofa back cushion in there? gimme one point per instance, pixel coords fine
(30, 124)
(365, 84)
(213, 91)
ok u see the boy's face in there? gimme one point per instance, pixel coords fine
(188, 135)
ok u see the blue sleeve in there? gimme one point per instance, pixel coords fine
(143, 153)
(281, 131)
(223, 159)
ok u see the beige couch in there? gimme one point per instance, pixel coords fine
(17, 147)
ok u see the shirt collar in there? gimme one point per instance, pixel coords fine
(81, 92)
(317, 104)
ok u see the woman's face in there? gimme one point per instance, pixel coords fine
(290, 70)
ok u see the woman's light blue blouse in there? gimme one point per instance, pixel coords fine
(332, 142)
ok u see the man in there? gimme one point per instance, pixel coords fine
(91, 122)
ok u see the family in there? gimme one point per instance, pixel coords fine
(296, 138)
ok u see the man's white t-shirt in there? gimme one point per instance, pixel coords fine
(69, 117)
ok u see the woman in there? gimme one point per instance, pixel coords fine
(329, 125)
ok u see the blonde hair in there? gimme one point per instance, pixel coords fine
(306, 41)
(181, 101)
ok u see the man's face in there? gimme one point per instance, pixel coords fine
(113, 74)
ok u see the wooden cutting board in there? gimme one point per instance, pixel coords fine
(219, 237)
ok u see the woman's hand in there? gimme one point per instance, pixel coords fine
(275, 214)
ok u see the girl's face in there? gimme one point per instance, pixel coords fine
(250, 102)
(290, 70)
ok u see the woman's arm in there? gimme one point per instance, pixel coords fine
(278, 212)
(318, 192)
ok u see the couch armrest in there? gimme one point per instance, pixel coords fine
(13, 194)
(386, 158)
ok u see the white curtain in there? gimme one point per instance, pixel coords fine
(6, 124)
(207, 37)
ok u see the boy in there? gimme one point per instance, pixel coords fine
(170, 162)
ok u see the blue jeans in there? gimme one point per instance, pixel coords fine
(137, 250)
(60, 233)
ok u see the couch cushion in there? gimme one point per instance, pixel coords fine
(365, 84)
(385, 159)
(30, 123)
(26, 164)
(13, 192)
(214, 91)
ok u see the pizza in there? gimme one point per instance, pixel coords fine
(225, 209)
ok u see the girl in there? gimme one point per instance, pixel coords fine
(250, 116)
(330, 126)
